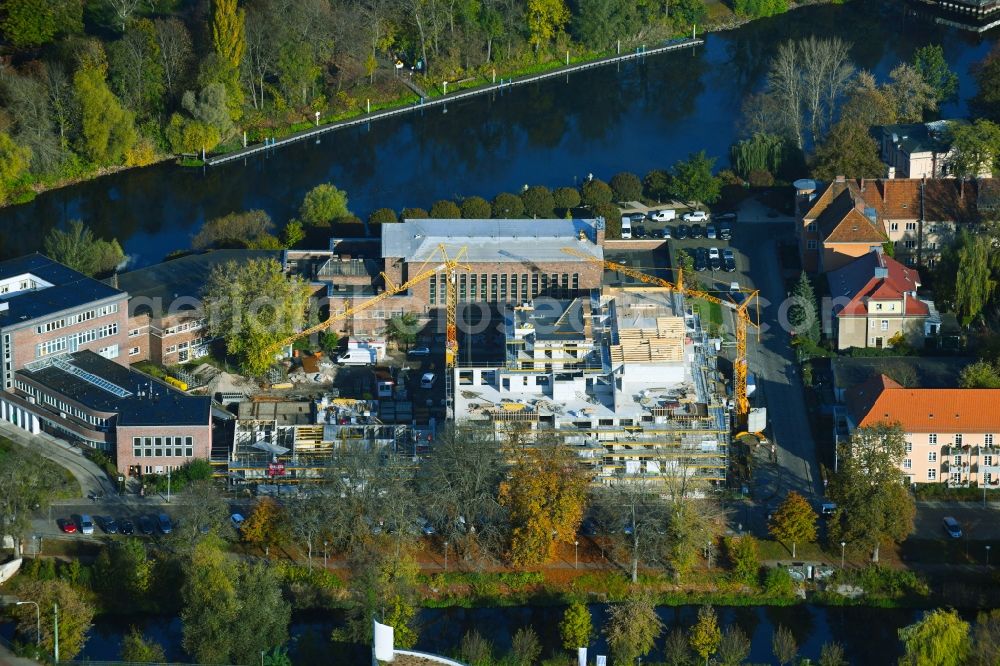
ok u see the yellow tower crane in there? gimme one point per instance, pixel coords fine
(740, 312)
(448, 264)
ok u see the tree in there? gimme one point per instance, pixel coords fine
(612, 219)
(832, 654)
(77, 248)
(695, 519)
(599, 22)
(201, 510)
(626, 186)
(974, 285)
(912, 95)
(656, 184)
(383, 586)
(744, 558)
(576, 626)
(138, 650)
(939, 638)
(31, 23)
(174, 42)
(14, 161)
(595, 192)
(24, 485)
(868, 103)
(446, 210)
(676, 651)
(986, 639)
(459, 490)
(873, 504)
(546, 495)
(475, 649)
(229, 41)
(929, 61)
(632, 628)
(136, 69)
(847, 149)
(803, 314)
(323, 204)
(980, 374)
(402, 329)
(292, 234)
(545, 18)
(266, 524)
(525, 648)
(75, 615)
(124, 573)
(476, 208)
(784, 646)
(976, 147)
(414, 214)
(705, 635)
(107, 131)
(233, 230)
(261, 623)
(734, 647)
(637, 515)
(692, 180)
(209, 108)
(507, 205)
(760, 8)
(538, 201)
(794, 521)
(986, 102)
(566, 198)
(382, 216)
(253, 305)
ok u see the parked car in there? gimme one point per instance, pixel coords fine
(626, 227)
(827, 508)
(725, 231)
(701, 259)
(715, 259)
(683, 231)
(427, 381)
(663, 215)
(419, 351)
(729, 261)
(109, 525)
(637, 217)
(127, 529)
(68, 526)
(666, 233)
(710, 231)
(237, 520)
(695, 216)
(952, 527)
(427, 528)
(697, 231)
(163, 521)
(146, 525)
(86, 524)
(640, 231)
(734, 288)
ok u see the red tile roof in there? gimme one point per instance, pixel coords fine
(859, 282)
(838, 213)
(951, 410)
(900, 198)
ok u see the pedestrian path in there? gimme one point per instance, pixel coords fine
(87, 473)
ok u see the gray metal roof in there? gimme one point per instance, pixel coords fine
(517, 241)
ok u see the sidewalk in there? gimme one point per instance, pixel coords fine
(8, 658)
(89, 475)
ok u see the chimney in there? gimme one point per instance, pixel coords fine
(839, 179)
(862, 183)
(892, 172)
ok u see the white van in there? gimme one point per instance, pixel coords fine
(357, 357)
(626, 227)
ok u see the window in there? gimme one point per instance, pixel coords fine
(907, 464)
(109, 352)
(134, 333)
(878, 306)
(911, 226)
(932, 438)
(811, 226)
(932, 456)
(909, 447)
(987, 478)
(189, 452)
(910, 244)
(958, 460)
(894, 226)
(811, 245)
(958, 439)
(884, 325)
(988, 461)
(133, 351)
(172, 348)
(988, 439)
(932, 474)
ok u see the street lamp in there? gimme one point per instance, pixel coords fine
(261, 658)
(987, 555)
(576, 554)
(445, 555)
(38, 620)
(843, 544)
(709, 554)
(325, 544)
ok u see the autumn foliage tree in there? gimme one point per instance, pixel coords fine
(265, 526)
(546, 495)
(794, 522)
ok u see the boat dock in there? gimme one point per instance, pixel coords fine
(425, 102)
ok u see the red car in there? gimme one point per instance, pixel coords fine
(69, 527)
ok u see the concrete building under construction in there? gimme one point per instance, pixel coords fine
(625, 375)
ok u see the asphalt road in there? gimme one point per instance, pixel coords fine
(91, 477)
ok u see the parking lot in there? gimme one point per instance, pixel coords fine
(978, 523)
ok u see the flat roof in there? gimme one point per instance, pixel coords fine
(184, 276)
(516, 241)
(655, 262)
(105, 386)
(70, 289)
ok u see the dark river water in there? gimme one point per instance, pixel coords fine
(868, 635)
(635, 116)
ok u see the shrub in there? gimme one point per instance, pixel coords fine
(566, 197)
(612, 219)
(507, 205)
(538, 201)
(382, 216)
(760, 178)
(778, 583)
(476, 208)
(414, 214)
(595, 192)
(626, 186)
(744, 559)
(445, 209)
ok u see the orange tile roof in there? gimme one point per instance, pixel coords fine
(900, 198)
(855, 228)
(951, 410)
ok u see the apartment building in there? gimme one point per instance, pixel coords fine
(837, 223)
(919, 150)
(627, 378)
(951, 433)
(875, 301)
